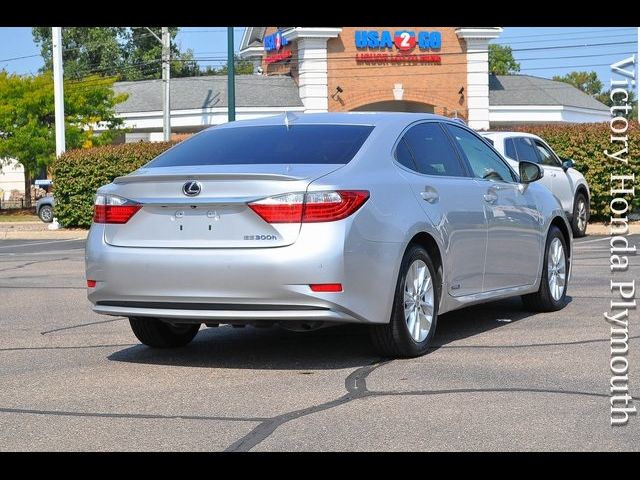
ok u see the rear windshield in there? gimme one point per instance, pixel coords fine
(324, 144)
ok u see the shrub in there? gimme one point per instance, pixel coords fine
(585, 144)
(77, 174)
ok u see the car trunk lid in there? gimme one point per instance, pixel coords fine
(218, 217)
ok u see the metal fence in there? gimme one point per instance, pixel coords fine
(12, 204)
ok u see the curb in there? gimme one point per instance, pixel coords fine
(45, 235)
(602, 229)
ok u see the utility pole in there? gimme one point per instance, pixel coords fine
(166, 77)
(58, 89)
(231, 77)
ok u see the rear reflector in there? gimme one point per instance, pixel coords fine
(91, 283)
(113, 209)
(326, 287)
(311, 207)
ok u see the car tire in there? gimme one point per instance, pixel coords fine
(395, 339)
(158, 334)
(550, 298)
(46, 213)
(580, 215)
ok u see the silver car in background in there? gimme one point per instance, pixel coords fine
(385, 219)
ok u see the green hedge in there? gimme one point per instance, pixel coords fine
(585, 144)
(77, 174)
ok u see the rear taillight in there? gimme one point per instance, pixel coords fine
(113, 209)
(310, 207)
(285, 208)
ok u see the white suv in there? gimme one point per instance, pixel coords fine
(564, 181)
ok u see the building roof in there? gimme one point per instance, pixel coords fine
(507, 90)
(209, 92)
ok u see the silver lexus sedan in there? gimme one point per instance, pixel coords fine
(310, 220)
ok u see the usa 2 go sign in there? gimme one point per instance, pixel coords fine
(403, 40)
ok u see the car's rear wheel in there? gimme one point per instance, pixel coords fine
(158, 334)
(551, 295)
(415, 309)
(46, 213)
(580, 215)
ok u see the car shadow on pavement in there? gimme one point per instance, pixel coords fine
(346, 346)
(471, 321)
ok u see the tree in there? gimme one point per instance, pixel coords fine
(27, 118)
(84, 50)
(605, 98)
(588, 82)
(127, 53)
(501, 61)
(142, 54)
(241, 67)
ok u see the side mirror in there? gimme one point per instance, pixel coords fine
(530, 172)
(567, 163)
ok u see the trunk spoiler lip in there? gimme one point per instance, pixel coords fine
(195, 201)
(172, 177)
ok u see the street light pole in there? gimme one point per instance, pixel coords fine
(58, 89)
(231, 80)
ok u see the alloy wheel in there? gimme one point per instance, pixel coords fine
(418, 300)
(556, 269)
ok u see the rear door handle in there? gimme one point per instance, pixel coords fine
(490, 197)
(430, 195)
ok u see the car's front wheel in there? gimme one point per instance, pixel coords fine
(46, 213)
(552, 293)
(158, 334)
(580, 215)
(415, 309)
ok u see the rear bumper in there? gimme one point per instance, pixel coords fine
(230, 314)
(270, 284)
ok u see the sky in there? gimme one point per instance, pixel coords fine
(541, 51)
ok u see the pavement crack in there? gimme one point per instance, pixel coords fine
(128, 415)
(67, 347)
(82, 325)
(356, 386)
(484, 390)
(356, 381)
(32, 263)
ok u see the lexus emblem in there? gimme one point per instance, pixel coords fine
(192, 188)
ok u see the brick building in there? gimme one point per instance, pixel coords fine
(444, 70)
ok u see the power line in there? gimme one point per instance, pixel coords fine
(613, 29)
(217, 30)
(352, 58)
(19, 58)
(567, 36)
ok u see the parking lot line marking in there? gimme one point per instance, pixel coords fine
(41, 243)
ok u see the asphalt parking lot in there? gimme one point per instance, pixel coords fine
(498, 378)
